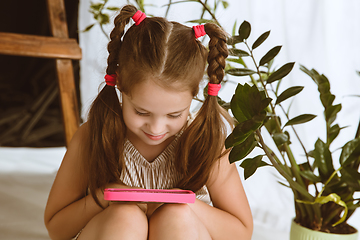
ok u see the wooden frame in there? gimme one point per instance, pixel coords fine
(59, 47)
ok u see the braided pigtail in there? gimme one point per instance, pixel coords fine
(202, 143)
(106, 125)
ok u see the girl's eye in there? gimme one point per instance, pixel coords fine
(175, 116)
(141, 114)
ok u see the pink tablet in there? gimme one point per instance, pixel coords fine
(149, 195)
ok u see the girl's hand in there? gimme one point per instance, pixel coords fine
(100, 194)
(151, 208)
(142, 206)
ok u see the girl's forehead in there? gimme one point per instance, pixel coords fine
(149, 95)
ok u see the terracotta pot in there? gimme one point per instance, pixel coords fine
(298, 232)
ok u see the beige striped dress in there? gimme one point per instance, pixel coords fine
(158, 174)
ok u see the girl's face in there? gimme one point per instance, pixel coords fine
(153, 114)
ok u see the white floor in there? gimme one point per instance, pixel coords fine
(26, 176)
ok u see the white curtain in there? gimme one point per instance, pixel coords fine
(321, 34)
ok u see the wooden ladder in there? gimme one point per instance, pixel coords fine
(59, 47)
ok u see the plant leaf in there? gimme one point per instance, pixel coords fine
(269, 55)
(300, 119)
(333, 133)
(326, 97)
(331, 113)
(238, 52)
(281, 72)
(242, 150)
(236, 60)
(241, 132)
(271, 124)
(239, 72)
(292, 91)
(310, 176)
(244, 30)
(351, 177)
(249, 103)
(96, 6)
(280, 138)
(103, 19)
(350, 152)
(234, 28)
(250, 165)
(88, 27)
(225, 4)
(248, 106)
(234, 40)
(323, 159)
(260, 40)
(333, 197)
(113, 8)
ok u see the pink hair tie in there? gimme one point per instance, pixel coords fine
(213, 89)
(199, 30)
(110, 80)
(138, 17)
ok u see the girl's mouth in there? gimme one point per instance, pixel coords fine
(155, 138)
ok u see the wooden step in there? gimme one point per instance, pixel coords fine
(39, 46)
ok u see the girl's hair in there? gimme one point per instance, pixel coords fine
(169, 54)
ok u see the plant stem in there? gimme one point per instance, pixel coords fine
(327, 182)
(275, 163)
(198, 99)
(168, 8)
(297, 136)
(203, 11)
(295, 187)
(301, 143)
(333, 213)
(258, 72)
(103, 31)
(280, 168)
(358, 131)
(209, 11)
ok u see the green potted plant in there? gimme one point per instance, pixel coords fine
(328, 204)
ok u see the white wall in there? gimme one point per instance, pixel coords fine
(321, 34)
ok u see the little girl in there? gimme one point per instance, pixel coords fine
(147, 140)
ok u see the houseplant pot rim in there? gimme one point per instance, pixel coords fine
(298, 232)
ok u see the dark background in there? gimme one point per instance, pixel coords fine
(25, 82)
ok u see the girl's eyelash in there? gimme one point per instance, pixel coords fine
(141, 114)
(175, 116)
(147, 114)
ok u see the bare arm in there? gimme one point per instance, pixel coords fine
(231, 217)
(68, 208)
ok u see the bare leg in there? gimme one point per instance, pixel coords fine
(176, 221)
(118, 221)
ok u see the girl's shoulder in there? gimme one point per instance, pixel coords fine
(81, 136)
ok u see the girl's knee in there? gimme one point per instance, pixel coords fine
(176, 221)
(172, 212)
(117, 221)
(120, 216)
(130, 212)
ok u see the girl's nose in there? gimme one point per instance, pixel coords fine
(156, 126)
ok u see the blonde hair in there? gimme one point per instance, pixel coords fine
(169, 53)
